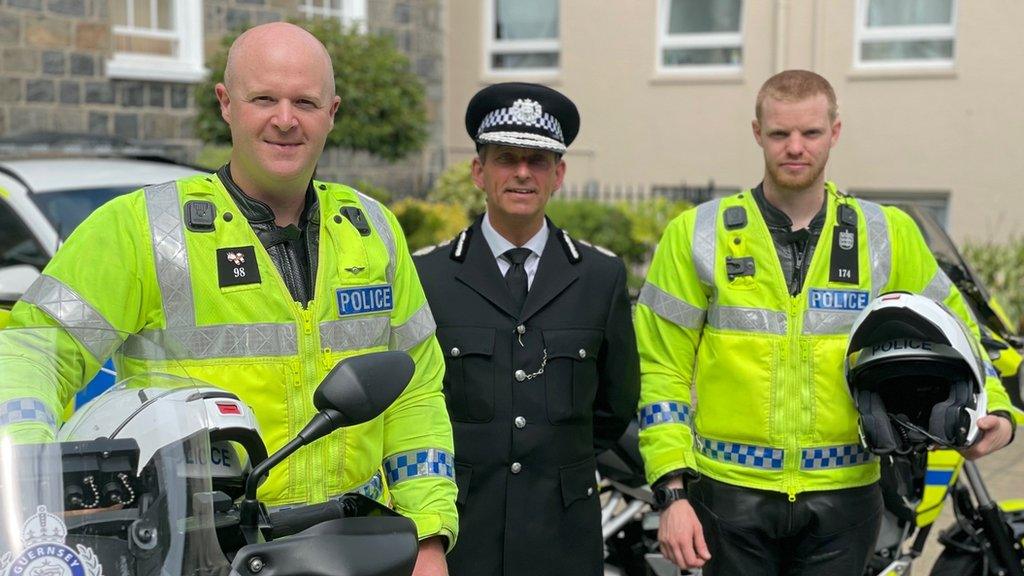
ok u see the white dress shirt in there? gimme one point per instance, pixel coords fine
(499, 245)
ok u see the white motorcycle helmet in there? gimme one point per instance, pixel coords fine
(171, 412)
(916, 375)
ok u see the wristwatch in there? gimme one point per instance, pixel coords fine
(665, 496)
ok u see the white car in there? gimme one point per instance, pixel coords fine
(43, 199)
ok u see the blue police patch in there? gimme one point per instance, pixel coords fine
(849, 300)
(364, 300)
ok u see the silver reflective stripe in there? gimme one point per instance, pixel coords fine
(673, 309)
(938, 288)
(75, 314)
(170, 254)
(26, 410)
(664, 412)
(416, 329)
(747, 455)
(375, 213)
(355, 333)
(878, 245)
(834, 457)
(747, 319)
(220, 341)
(704, 241)
(829, 321)
(431, 462)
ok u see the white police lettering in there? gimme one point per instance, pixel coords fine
(901, 344)
(838, 299)
(364, 299)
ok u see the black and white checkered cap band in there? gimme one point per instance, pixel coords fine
(506, 120)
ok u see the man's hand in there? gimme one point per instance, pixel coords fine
(681, 536)
(430, 560)
(996, 432)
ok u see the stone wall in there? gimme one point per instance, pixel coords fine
(52, 79)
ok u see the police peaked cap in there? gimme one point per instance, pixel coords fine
(522, 115)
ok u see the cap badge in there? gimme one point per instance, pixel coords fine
(526, 111)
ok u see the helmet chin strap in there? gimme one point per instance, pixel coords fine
(911, 434)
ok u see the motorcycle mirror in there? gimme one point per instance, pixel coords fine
(362, 387)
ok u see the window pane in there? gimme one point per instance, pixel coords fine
(525, 60)
(909, 12)
(17, 245)
(697, 16)
(165, 14)
(908, 50)
(526, 19)
(139, 45)
(702, 56)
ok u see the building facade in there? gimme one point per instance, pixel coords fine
(666, 91)
(127, 69)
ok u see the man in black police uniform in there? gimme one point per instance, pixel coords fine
(542, 368)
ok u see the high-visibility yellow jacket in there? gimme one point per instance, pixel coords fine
(139, 265)
(742, 381)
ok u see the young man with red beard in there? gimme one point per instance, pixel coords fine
(748, 432)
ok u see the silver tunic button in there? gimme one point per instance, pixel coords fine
(583, 353)
(516, 467)
(520, 422)
(456, 351)
(590, 491)
(520, 375)
(521, 329)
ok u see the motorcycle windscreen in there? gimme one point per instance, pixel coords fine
(123, 487)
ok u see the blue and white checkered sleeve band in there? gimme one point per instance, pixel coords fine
(664, 412)
(834, 457)
(26, 410)
(430, 462)
(990, 370)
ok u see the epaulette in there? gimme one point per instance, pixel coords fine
(428, 249)
(570, 247)
(460, 246)
(599, 248)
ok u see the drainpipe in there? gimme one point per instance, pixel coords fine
(781, 20)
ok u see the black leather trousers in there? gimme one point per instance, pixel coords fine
(756, 532)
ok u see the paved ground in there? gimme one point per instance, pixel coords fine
(1003, 473)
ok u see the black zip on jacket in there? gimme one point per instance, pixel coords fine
(293, 249)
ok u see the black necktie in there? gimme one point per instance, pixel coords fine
(515, 277)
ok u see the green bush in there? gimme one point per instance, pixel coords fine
(1001, 268)
(455, 186)
(630, 230)
(382, 101)
(426, 224)
(378, 193)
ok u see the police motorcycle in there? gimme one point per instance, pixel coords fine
(159, 475)
(917, 380)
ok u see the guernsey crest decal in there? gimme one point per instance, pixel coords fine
(45, 554)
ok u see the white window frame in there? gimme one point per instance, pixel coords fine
(187, 66)
(494, 46)
(352, 12)
(900, 33)
(668, 41)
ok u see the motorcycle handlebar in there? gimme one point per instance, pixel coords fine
(294, 520)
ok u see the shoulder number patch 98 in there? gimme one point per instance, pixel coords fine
(837, 299)
(364, 300)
